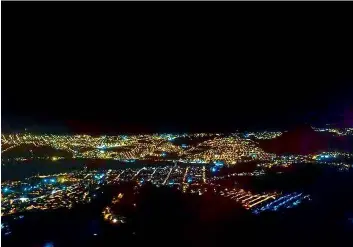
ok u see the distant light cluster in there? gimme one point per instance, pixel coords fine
(341, 160)
(204, 149)
(102, 147)
(231, 150)
(264, 135)
(336, 131)
(157, 147)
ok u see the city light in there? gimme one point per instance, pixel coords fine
(196, 168)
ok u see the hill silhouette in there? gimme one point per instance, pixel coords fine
(304, 140)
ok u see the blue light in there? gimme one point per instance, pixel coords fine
(218, 163)
(189, 180)
(184, 145)
(52, 180)
(130, 161)
(102, 147)
(214, 169)
(45, 180)
(99, 176)
(48, 244)
(171, 138)
(287, 201)
(6, 189)
(164, 154)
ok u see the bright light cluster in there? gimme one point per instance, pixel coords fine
(156, 147)
(266, 201)
(83, 186)
(49, 192)
(341, 160)
(284, 201)
(246, 198)
(336, 131)
(265, 135)
(112, 217)
(231, 150)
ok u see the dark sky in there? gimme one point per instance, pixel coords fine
(139, 68)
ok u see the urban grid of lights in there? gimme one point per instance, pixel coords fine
(231, 149)
(68, 189)
(202, 161)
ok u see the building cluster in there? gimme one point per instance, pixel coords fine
(65, 190)
(258, 203)
(231, 150)
(156, 147)
(336, 131)
(289, 200)
(50, 192)
(331, 155)
(341, 160)
(174, 167)
(264, 135)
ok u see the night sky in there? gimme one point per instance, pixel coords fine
(141, 68)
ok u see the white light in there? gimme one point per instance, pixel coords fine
(115, 220)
